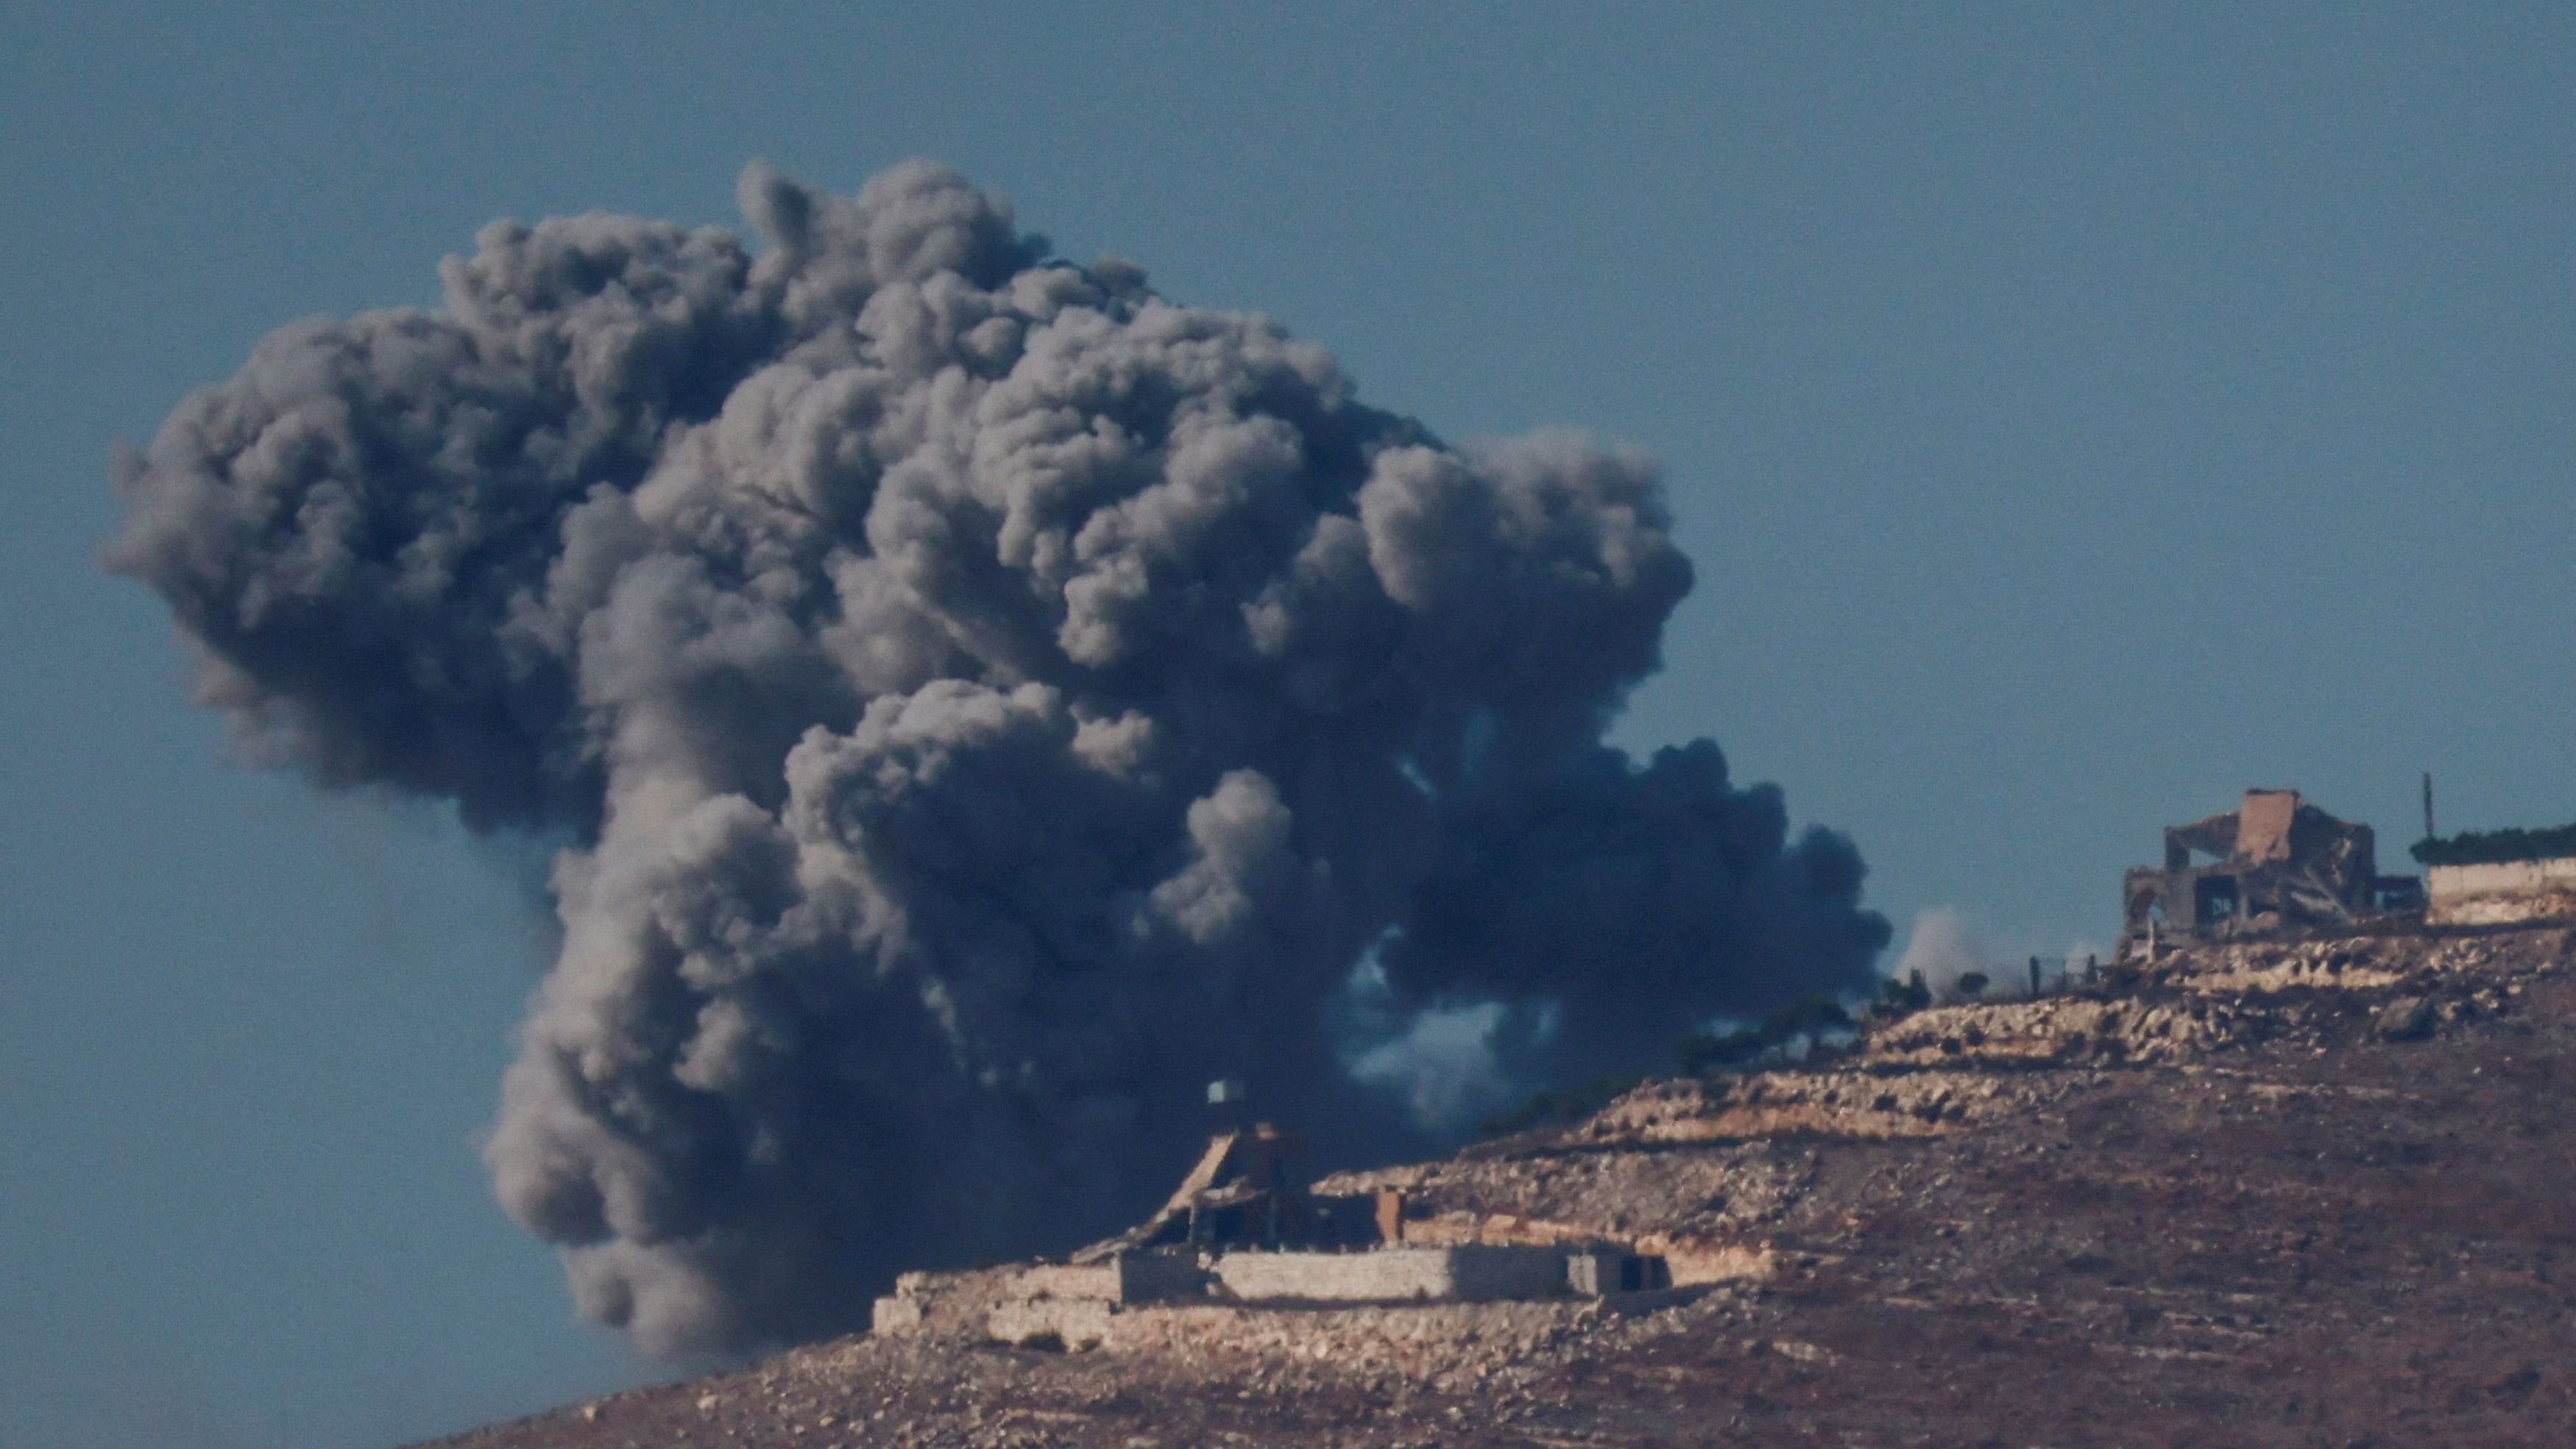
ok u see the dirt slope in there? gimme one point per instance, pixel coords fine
(2313, 1194)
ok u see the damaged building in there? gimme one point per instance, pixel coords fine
(1244, 1193)
(1243, 1229)
(2272, 863)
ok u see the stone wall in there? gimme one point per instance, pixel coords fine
(1467, 1273)
(1077, 1305)
(2500, 894)
(939, 1305)
(1096, 1283)
(1127, 1278)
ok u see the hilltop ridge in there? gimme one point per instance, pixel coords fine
(2284, 1192)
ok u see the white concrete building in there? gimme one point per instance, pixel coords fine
(2502, 893)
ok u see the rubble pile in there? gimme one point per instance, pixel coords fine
(1788, 1104)
(2469, 961)
(1560, 1196)
(2312, 1189)
(2062, 1031)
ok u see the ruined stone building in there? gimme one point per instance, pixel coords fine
(1243, 1230)
(1244, 1193)
(2273, 862)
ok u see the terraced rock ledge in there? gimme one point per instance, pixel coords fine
(2265, 1193)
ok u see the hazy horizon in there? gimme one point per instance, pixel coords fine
(2072, 420)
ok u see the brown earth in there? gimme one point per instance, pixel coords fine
(2308, 1194)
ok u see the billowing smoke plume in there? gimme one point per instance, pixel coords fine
(979, 702)
(1946, 945)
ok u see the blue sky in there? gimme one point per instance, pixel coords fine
(2075, 417)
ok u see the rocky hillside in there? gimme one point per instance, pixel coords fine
(2309, 1193)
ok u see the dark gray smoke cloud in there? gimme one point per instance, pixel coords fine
(980, 702)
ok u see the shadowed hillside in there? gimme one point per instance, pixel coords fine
(2287, 1193)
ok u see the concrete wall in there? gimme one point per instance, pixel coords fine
(1127, 1278)
(1096, 1283)
(2488, 895)
(940, 1304)
(1467, 1273)
(1599, 1272)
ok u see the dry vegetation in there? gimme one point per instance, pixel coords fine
(2307, 1194)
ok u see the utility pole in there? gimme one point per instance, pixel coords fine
(2428, 804)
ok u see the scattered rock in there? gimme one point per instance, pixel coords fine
(2099, 1216)
(2408, 1018)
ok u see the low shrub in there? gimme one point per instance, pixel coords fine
(1897, 998)
(1815, 1016)
(1549, 1109)
(2495, 847)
